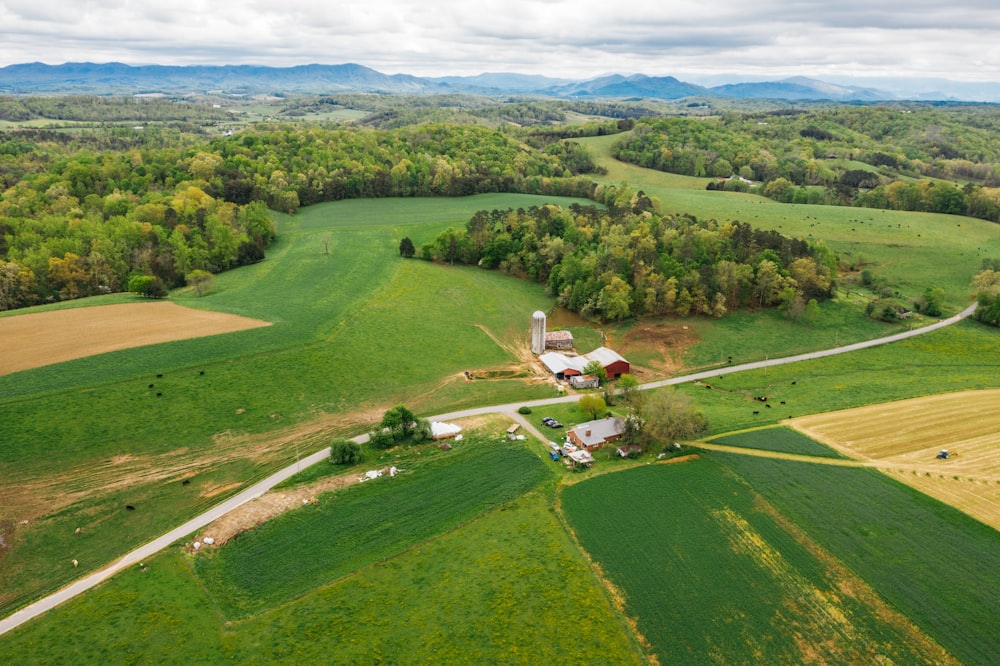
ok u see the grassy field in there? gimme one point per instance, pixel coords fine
(348, 338)
(933, 563)
(961, 357)
(906, 436)
(911, 250)
(784, 440)
(299, 551)
(411, 581)
(712, 577)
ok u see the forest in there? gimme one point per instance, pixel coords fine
(84, 212)
(630, 260)
(85, 209)
(942, 159)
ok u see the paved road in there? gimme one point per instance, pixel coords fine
(195, 524)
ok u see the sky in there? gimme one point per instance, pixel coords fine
(696, 40)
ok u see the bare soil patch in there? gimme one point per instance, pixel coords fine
(42, 338)
(666, 341)
(903, 439)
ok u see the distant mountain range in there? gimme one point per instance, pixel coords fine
(118, 78)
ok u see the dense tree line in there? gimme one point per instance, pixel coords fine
(91, 108)
(83, 213)
(630, 260)
(920, 158)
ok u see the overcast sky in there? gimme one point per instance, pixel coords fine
(959, 40)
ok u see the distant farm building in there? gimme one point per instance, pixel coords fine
(558, 340)
(564, 367)
(584, 381)
(592, 435)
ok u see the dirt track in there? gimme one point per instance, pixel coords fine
(42, 338)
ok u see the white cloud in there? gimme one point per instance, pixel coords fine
(555, 37)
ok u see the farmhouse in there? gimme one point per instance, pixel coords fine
(564, 367)
(592, 435)
(558, 340)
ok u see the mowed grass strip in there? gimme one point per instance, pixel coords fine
(712, 577)
(933, 563)
(301, 550)
(780, 439)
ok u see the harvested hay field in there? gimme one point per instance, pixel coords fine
(903, 439)
(33, 340)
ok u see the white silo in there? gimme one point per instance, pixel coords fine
(538, 332)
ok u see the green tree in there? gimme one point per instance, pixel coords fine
(406, 248)
(593, 405)
(200, 281)
(400, 422)
(148, 286)
(596, 369)
(811, 314)
(628, 389)
(345, 452)
(670, 415)
(932, 301)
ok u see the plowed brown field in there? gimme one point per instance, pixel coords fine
(904, 438)
(33, 340)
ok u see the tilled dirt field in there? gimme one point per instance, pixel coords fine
(42, 338)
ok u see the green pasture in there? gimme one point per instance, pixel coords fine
(710, 577)
(962, 357)
(348, 530)
(500, 585)
(912, 251)
(350, 331)
(782, 440)
(931, 562)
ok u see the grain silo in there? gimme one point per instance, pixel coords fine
(538, 332)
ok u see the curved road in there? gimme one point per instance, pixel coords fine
(139, 554)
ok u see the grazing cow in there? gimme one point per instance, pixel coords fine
(782, 402)
(159, 376)
(756, 413)
(768, 406)
(158, 394)
(186, 482)
(75, 563)
(793, 383)
(129, 507)
(201, 372)
(150, 386)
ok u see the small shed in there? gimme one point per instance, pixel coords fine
(512, 430)
(584, 381)
(626, 450)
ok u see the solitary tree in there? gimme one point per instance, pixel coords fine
(345, 452)
(628, 389)
(149, 286)
(201, 281)
(406, 248)
(400, 422)
(593, 405)
(670, 415)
